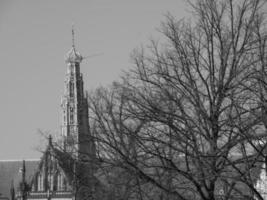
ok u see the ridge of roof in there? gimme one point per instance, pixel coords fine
(18, 160)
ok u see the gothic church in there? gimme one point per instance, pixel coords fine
(66, 169)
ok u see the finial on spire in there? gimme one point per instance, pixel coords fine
(72, 31)
(73, 56)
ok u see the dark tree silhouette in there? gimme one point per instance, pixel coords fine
(189, 118)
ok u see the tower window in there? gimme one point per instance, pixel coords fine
(64, 116)
(71, 115)
(71, 118)
(71, 89)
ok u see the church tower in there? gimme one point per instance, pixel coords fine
(75, 125)
(67, 172)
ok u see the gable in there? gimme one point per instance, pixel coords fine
(54, 171)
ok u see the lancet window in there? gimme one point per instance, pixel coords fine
(40, 182)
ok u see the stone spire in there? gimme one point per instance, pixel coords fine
(75, 124)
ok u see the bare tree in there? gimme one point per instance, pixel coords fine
(115, 136)
(186, 118)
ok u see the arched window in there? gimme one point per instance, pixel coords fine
(60, 182)
(40, 182)
(51, 181)
(71, 115)
(71, 89)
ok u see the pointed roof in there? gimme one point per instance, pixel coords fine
(64, 160)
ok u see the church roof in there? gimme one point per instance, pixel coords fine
(10, 172)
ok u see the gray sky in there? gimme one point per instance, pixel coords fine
(35, 36)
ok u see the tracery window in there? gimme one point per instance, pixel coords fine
(51, 181)
(40, 182)
(71, 89)
(71, 115)
(60, 182)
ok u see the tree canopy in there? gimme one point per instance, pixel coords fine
(188, 121)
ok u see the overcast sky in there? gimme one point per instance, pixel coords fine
(34, 37)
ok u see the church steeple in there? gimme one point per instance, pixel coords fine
(75, 125)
